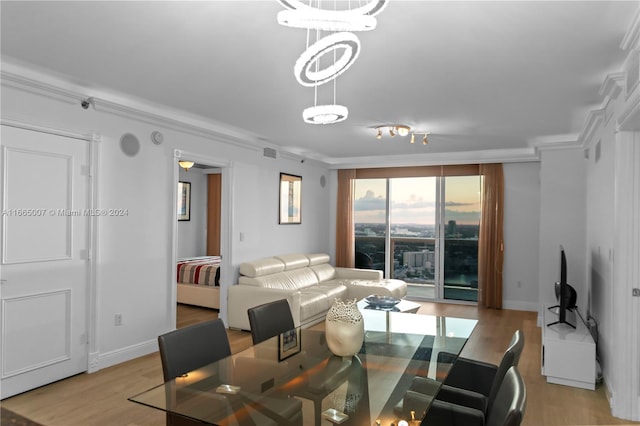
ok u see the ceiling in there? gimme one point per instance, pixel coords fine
(479, 76)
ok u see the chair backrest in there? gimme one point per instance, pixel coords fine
(192, 347)
(270, 319)
(511, 358)
(511, 401)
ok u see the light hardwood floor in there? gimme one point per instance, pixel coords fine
(100, 398)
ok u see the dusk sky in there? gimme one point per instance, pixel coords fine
(413, 200)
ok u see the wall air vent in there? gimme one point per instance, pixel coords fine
(270, 152)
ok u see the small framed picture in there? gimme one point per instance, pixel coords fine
(289, 343)
(290, 199)
(184, 201)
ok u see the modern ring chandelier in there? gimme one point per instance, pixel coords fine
(341, 43)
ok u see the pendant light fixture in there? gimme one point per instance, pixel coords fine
(340, 23)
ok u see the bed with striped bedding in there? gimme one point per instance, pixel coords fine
(199, 281)
(203, 270)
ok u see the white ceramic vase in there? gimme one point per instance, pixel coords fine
(344, 328)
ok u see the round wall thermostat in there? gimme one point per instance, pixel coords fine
(157, 137)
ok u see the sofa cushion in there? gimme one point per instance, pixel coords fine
(324, 272)
(266, 266)
(293, 261)
(313, 303)
(333, 290)
(287, 280)
(318, 258)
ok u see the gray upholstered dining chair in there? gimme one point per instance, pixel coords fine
(507, 410)
(470, 383)
(269, 320)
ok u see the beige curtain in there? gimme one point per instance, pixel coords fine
(491, 244)
(345, 242)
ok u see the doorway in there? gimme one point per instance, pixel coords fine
(201, 238)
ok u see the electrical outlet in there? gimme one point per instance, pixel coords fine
(117, 319)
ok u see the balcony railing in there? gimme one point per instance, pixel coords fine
(414, 261)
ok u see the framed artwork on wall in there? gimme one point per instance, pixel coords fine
(184, 201)
(290, 199)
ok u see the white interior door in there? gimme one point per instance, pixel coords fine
(45, 266)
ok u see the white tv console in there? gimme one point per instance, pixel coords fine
(568, 355)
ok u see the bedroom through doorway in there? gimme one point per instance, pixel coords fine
(198, 243)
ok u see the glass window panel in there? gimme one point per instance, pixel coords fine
(461, 226)
(370, 223)
(413, 232)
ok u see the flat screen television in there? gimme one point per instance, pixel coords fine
(565, 294)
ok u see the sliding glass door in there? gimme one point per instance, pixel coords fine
(422, 230)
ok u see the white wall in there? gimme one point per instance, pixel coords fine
(192, 234)
(135, 253)
(600, 235)
(521, 236)
(562, 222)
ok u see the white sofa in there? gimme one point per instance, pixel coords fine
(308, 281)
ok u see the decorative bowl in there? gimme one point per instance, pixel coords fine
(378, 301)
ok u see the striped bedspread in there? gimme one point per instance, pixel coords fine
(203, 270)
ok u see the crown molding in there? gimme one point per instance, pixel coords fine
(629, 119)
(594, 119)
(520, 155)
(554, 142)
(38, 87)
(174, 121)
(26, 79)
(633, 32)
(612, 85)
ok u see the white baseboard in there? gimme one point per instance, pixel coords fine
(99, 361)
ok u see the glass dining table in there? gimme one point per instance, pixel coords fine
(294, 379)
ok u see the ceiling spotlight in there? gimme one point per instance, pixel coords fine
(425, 140)
(379, 135)
(403, 130)
(392, 132)
(413, 138)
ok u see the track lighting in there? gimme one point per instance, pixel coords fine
(402, 130)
